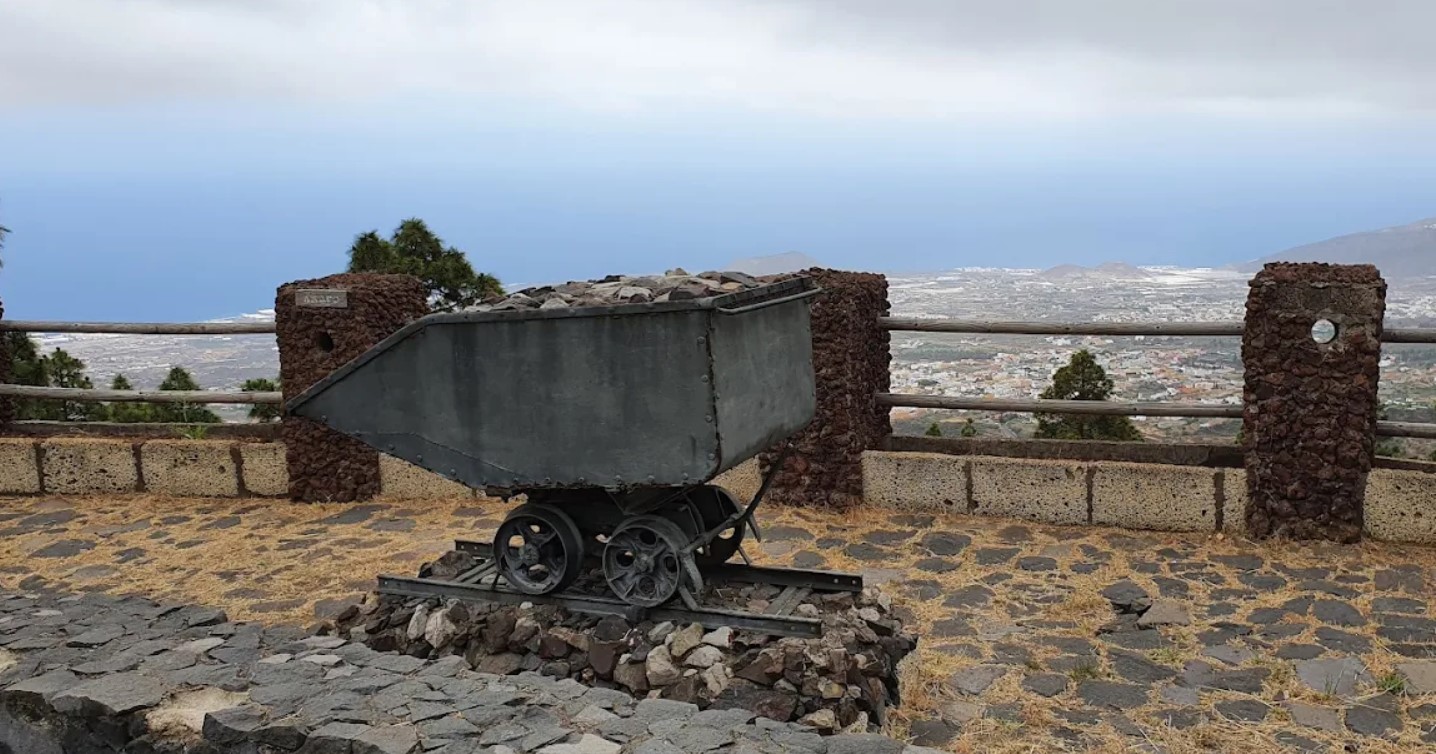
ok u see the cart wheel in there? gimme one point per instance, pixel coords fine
(644, 562)
(539, 549)
(714, 506)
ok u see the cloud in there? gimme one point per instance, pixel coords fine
(875, 59)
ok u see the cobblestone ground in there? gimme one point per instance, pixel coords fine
(1033, 638)
(176, 676)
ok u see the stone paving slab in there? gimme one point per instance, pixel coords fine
(1105, 640)
(187, 679)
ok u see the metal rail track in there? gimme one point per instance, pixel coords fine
(482, 583)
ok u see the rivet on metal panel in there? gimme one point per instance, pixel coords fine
(702, 340)
(548, 480)
(712, 456)
(618, 479)
(704, 378)
(418, 459)
(650, 478)
(708, 419)
(582, 480)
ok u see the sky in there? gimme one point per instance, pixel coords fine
(179, 159)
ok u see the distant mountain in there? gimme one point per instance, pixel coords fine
(1106, 271)
(1403, 251)
(773, 264)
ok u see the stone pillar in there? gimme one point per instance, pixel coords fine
(851, 365)
(1311, 406)
(7, 405)
(322, 325)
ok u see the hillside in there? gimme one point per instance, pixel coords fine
(1403, 251)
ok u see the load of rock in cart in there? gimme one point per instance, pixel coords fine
(674, 285)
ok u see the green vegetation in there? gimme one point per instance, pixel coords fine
(129, 413)
(414, 250)
(60, 369)
(263, 413)
(1083, 379)
(933, 430)
(969, 429)
(186, 413)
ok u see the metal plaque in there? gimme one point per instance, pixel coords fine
(324, 298)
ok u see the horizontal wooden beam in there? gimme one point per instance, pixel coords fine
(1406, 429)
(140, 328)
(983, 327)
(1409, 335)
(1038, 406)
(138, 396)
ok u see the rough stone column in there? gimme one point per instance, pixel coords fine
(851, 363)
(318, 333)
(1311, 407)
(7, 405)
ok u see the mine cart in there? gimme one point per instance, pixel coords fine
(611, 422)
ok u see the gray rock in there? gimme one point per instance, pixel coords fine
(96, 637)
(1138, 669)
(1314, 716)
(1127, 597)
(866, 743)
(1045, 684)
(334, 738)
(1180, 695)
(1373, 717)
(1336, 613)
(975, 680)
(587, 744)
(393, 739)
(1420, 676)
(111, 695)
(1229, 655)
(1338, 677)
(1112, 695)
(945, 544)
(233, 725)
(660, 668)
(685, 640)
(1165, 613)
(1243, 710)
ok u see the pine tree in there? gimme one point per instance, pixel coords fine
(126, 412)
(1083, 379)
(413, 249)
(63, 370)
(263, 413)
(933, 430)
(969, 429)
(184, 413)
(27, 367)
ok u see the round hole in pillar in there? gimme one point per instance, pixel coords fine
(1323, 331)
(324, 341)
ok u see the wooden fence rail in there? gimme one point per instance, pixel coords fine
(139, 396)
(1042, 406)
(140, 328)
(982, 327)
(1115, 329)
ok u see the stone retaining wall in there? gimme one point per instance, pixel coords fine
(210, 468)
(1400, 505)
